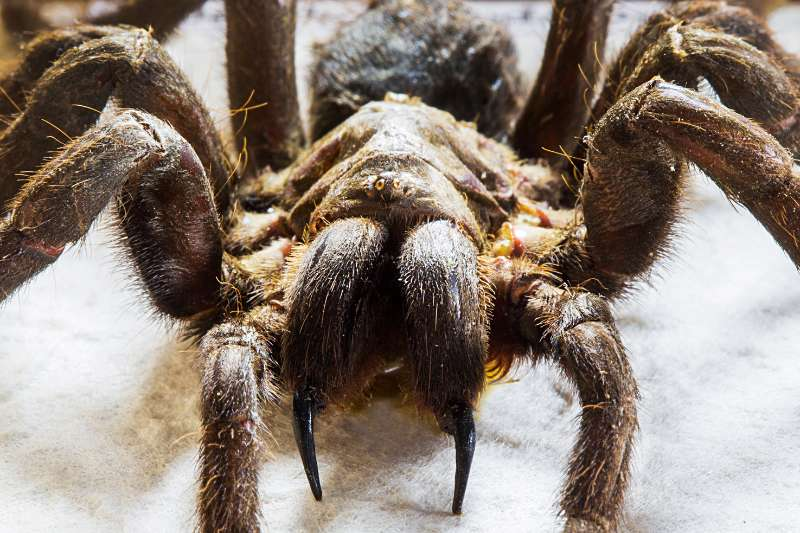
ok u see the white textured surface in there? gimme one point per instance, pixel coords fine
(99, 403)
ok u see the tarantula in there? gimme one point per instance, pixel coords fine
(407, 233)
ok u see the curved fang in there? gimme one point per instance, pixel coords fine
(304, 409)
(464, 433)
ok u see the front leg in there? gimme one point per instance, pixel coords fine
(725, 45)
(576, 330)
(124, 64)
(165, 204)
(635, 176)
(239, 377)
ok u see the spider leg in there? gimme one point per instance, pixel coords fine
(165, 202)
(24, 17)
(132, 68)
(708, 15)
(750, 81)
(559, 103)
(635, 173)
(576, 330)
(239, 378)
(161, 18)
(37, 56)
(261, 81)
(726, 45)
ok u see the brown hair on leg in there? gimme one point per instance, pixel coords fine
(559, 104)
(171, 224)
(37, 56)
(635, 171)
(70, 95)
(577, 331)
(239, 377)
(263, 92)
(726, 44)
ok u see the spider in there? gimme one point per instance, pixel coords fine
(437, 221)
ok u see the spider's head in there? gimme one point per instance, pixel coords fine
(399, 190)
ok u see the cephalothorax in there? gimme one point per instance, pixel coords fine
(407, 233)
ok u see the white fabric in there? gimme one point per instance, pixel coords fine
(98, 402)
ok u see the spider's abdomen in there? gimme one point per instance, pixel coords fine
(436, 51)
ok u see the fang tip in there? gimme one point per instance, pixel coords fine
(304, 407)
(464, 433)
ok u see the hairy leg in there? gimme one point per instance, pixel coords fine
(723, 43)
(559, 104)
(16, 85)
(23, 17)
(132, 68)
(584, 339)
(37, 56)
(635, 170)
(165, 204)
(239, 377)
(261, 81)
(729, 47)
(576, 330)
(746, 79)
(739, 22)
